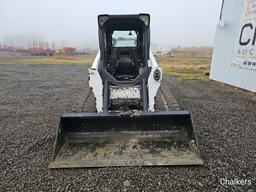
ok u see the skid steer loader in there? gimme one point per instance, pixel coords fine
(126, 130)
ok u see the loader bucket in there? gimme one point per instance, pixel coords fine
(149, 139)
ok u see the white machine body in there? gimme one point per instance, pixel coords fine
(120, 92)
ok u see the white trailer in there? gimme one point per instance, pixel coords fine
(234, 56)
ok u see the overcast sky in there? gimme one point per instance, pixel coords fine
(74, 22)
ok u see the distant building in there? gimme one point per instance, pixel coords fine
(162, 51)
(69, 50)
(234, 56)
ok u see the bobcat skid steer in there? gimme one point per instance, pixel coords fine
(126, 130)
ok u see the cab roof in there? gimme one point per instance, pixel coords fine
(124, 21)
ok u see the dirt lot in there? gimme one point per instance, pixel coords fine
(32, 97)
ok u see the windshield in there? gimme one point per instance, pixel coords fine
(124, 39)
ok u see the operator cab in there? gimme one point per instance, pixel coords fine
(124, 40)
(124, 59)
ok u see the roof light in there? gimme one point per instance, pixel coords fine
(102, 19)
(145, 18)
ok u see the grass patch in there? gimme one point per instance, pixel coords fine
(186, 68)
(184, 75)
(82, 60)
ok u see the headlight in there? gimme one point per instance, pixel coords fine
(157, 75)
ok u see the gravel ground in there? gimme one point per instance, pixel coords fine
(33, 96)
(13, 55)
